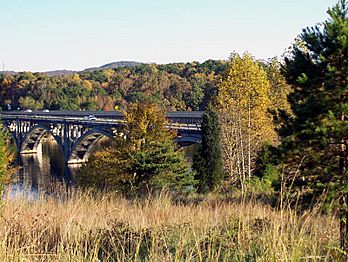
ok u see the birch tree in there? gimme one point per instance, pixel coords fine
(243, 100)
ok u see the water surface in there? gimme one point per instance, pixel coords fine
(46, 171)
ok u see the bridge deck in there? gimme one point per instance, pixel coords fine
(176, 120)
(179, 116)
(104, 114)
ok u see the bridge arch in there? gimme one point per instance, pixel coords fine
(188, 138)
(33, 137)
(81, 149)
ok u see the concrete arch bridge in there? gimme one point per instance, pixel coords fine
(77, 134)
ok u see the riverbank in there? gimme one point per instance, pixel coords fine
(82, 227)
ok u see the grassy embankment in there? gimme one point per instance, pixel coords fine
(107, 228)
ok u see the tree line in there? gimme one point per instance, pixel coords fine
(177, 86)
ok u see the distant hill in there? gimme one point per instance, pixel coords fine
(70, 72)
(61, 72)
(50, 73)
(114, 65)
(8, 72)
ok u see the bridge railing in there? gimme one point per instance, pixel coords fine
(176, 120)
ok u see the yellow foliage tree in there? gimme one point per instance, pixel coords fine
(244, 100)
(76, 78)
(279, 87)
(145, 123)
(87, 84)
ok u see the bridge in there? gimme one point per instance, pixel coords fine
(77, 135)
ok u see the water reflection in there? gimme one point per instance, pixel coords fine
(46, 170)
(43, 171)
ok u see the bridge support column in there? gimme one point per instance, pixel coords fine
(67, 132)
(18, 134)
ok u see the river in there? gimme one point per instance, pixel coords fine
(46, 170)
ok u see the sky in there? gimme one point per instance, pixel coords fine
(44, 35)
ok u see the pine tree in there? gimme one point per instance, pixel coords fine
(208, 163)
(314, 145)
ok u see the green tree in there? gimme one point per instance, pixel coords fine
(208, 163)
(30, 103)
(143, 157)
(197, 93)
(6, 159)
(314, 146)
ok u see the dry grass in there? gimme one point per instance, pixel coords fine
(108, 228)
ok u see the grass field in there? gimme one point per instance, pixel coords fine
(104, 227)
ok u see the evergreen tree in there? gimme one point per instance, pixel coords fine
(314, 147)
(160, 165)
(208, 163)
(6, 159)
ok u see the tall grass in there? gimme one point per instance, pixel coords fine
(104, 227)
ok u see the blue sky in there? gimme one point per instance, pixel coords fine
(42, 35)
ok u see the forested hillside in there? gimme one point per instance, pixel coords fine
(177, 86)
